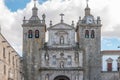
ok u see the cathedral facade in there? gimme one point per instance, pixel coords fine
(62, 57)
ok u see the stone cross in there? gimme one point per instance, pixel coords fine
(35, 3)
(87, 2)
(61, 17)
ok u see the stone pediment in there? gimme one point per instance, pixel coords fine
(109, 60)
(61, 26)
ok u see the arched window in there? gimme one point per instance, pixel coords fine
(86, 34)
(61, 40)
(37, 34)
(30, 34)
(92, 34)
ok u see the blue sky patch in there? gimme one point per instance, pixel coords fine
(41, 1)
(110, 44)
(14, 5)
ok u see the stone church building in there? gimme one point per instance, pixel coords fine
(62, 57)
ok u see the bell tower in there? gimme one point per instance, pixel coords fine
(89, 39)
(34, 31)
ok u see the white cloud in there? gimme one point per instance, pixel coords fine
(107, 9)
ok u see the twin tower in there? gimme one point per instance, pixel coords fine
(62, 57)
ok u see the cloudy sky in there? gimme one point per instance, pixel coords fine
(13, 11)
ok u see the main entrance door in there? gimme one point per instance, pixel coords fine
(61, 77)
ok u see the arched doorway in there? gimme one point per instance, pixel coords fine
(61, 77)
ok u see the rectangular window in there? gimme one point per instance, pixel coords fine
(109, 66)
(118, 66)
(3, 52)
(4, 70)
(9, 58)
(69, 60)
(13, 60)
(54, 60)
(16, 62)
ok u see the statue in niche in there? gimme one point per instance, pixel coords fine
(61, 40)
(46, 56)
(47, 77)
(46, 59)
(76, 57)
(61, 64)
(77, 77)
